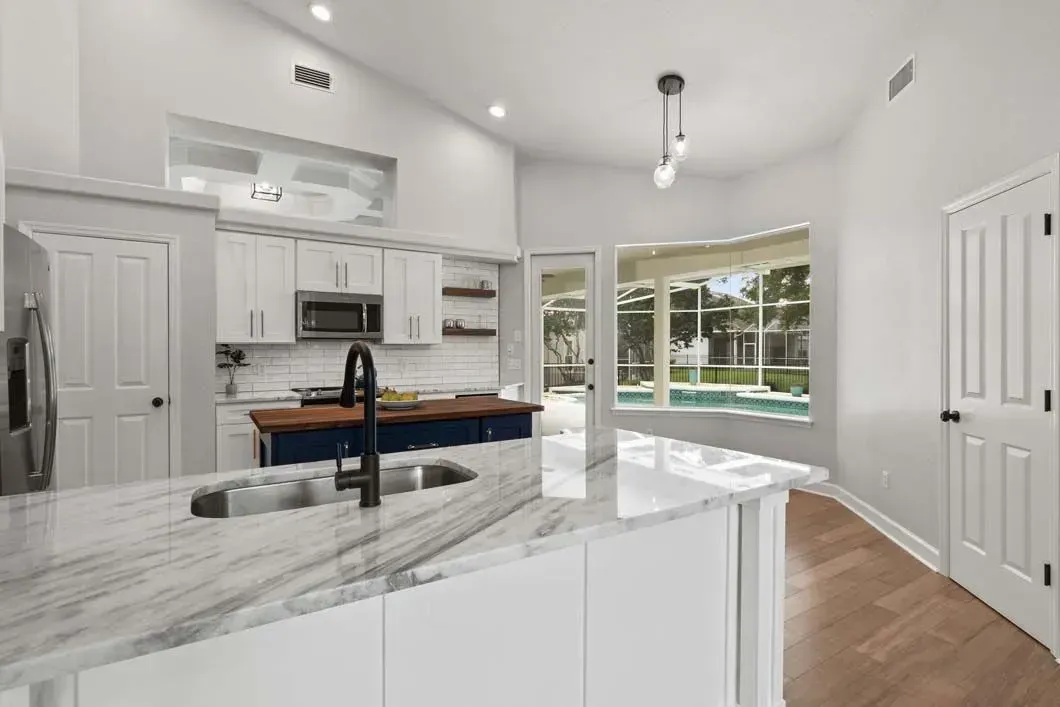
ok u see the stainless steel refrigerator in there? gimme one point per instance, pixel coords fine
(28, 384)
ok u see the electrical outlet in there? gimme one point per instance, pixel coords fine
(885, 479)
(515, 364)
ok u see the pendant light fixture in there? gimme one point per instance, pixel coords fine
(680, 146)
(666, 170)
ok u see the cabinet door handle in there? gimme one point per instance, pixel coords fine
(336, 275)
(347, 266)
(429, 445)
(418, 333)
(263, 322)
(255, 445)
(252, 324)
(410, 328)
(489, 434)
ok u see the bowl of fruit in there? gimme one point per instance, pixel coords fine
(393, 400)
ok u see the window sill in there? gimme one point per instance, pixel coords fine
(743, 415)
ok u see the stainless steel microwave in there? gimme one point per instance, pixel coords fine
(334, 315)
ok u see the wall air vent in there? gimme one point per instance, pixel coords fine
(900, 81)
(312, 78)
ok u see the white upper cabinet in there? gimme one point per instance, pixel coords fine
(275, 290)
(319, 266)
(362, 270)
(412, 297)
(334, 267)
(236, 286)
(426, 296)
(397, 321)
(255, 289)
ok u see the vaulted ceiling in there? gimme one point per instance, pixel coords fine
(767, 79)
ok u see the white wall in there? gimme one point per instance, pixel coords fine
(984, 105)
(39, 87)
(221, 60)
(195, 227)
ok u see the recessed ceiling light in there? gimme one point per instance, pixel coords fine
(498, 111)
(321, 11)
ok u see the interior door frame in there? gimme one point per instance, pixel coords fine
(1049, 168)
(533, 395)
(172, 243)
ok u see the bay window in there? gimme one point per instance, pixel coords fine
(731, 330)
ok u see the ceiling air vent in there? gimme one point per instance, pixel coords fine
(901, 80)
(313, 78)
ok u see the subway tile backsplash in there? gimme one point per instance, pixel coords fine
(459, 362)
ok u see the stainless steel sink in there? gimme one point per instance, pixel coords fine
(302, 493)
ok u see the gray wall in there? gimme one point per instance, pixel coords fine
(564, 205)
(984, 104)
(108, 73)
(977, 112)
(195, 229)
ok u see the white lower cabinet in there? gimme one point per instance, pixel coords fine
(660, 605)
(510, 635)
(237, 447)
(331, 657)
(237, 436)
(644, 618)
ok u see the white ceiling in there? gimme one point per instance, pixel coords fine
(767, 79)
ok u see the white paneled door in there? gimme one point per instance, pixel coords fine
(110, 314)
(1001, 498)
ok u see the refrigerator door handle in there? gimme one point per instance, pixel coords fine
(40, 481)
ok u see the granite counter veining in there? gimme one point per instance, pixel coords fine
(94, 576)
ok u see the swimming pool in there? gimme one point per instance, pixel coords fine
(714, 399)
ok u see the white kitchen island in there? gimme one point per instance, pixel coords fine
(603, 571)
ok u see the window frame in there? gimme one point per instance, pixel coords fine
(760, 334)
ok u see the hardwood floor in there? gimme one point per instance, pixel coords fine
(867, 624)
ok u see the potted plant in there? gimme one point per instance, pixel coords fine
(234, 359)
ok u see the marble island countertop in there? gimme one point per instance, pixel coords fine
(95, 576)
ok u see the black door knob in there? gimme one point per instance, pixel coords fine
(591, 387)
(157, 402)
(950, 416)
(591, 362)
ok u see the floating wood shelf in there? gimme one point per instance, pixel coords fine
(469, 332)
(468, 292)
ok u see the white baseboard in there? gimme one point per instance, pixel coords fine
(903, 538)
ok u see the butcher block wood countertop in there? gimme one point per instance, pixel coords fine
(326, 417)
